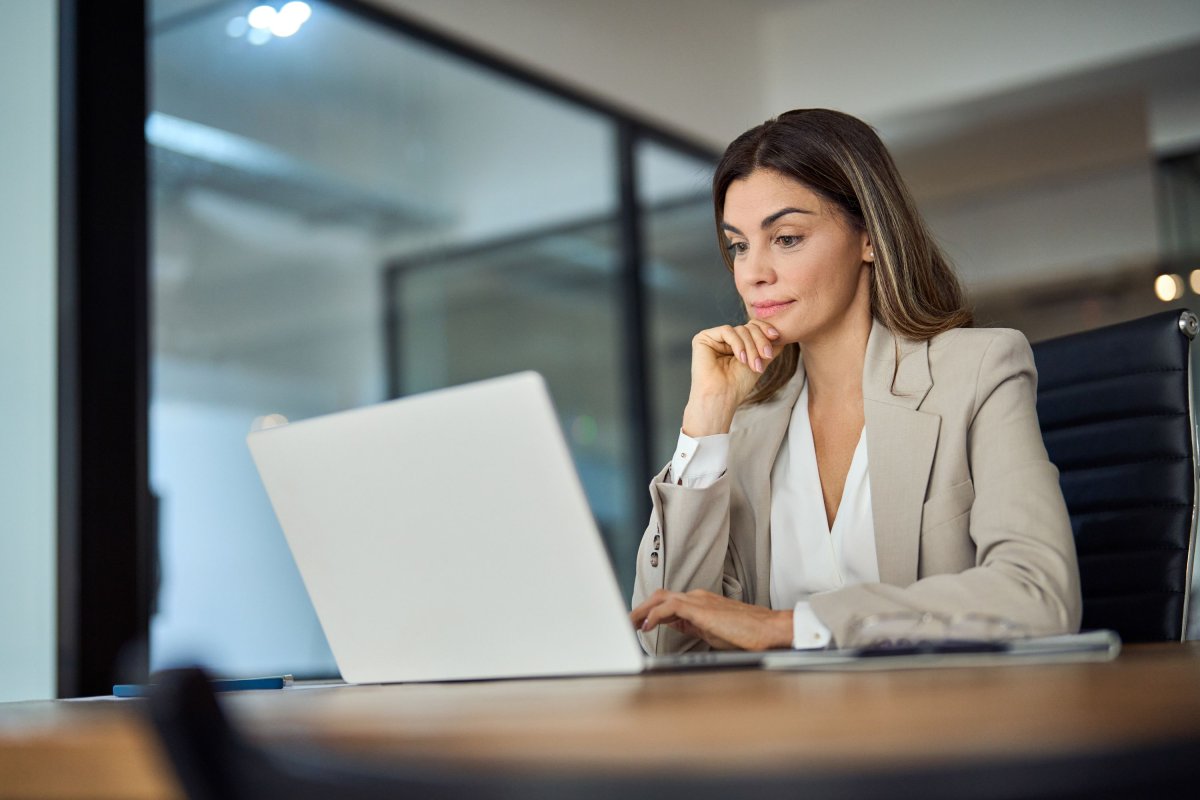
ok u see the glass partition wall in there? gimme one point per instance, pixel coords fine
(688, 287)
(342, 211)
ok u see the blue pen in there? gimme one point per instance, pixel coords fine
(224, 685)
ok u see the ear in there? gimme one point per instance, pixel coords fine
(868, 249)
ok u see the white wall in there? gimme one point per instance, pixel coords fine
(880, 58)
(28, 53)
(713, 68)
(1068, 228)
(1175, 118)
(691, 65)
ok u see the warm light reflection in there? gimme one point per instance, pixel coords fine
(1168, 287)
(1194, 281)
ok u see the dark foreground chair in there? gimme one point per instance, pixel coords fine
(213, 762)
(1116, 414)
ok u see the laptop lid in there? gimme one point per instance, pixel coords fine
(446, 536)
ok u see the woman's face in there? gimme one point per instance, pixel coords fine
(797, 262)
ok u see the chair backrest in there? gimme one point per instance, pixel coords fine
(1115, 409)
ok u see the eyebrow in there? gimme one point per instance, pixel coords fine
(783, 212)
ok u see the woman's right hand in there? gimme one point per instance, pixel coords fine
(727, 362)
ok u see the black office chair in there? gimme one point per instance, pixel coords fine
(213, 762)
(1115, 408)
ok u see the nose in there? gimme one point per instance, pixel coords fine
(755, 269)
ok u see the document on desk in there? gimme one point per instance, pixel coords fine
(1102, 645)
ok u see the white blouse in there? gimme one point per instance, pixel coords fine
(806, 556)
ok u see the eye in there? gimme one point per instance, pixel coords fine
(788, 241)
(736, 248)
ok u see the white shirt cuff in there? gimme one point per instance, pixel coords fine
(699, 462)
(808, 633)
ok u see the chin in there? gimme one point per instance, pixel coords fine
(789, 332)
(803, 333)
(787, 335)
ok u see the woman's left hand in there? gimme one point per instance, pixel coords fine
(724, 623)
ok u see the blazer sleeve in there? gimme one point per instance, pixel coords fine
(685, 546)
(1025, 565)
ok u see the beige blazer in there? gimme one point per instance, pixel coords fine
(967, 508)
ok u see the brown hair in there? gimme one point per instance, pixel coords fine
(914, 290)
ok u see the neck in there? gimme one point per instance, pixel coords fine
(833, 361)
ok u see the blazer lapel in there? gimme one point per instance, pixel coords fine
(900, 445)
(760, 436)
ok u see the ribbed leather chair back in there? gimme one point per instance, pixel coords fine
(1115, 410)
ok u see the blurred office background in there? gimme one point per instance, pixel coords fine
(351, 201)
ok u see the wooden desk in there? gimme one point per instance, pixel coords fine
(724, 722)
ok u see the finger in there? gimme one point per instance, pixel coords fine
(638, 615)
(664, 613)
(762, 342)
(656, 597)
(679, 609)
(753, 360)
(707, 616)
(753, 347)
(652, 620)
(717, 340)
(739, 346)
(766, 328)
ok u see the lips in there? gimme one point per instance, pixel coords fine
(769, 308)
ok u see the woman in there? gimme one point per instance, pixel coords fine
(854, 456)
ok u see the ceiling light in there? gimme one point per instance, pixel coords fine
(284, 27)
(297, 11)
(261, 17)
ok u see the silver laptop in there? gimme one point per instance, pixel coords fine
(446, 536)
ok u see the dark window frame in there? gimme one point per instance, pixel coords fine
(105, 542)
